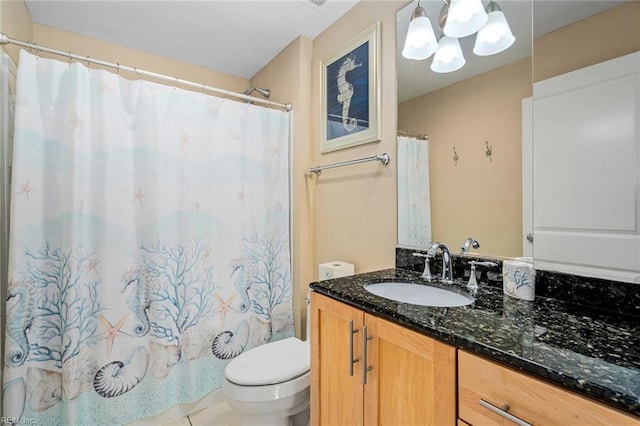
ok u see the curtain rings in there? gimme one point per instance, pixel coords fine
(33, 49)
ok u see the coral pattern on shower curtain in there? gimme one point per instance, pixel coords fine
(149, 243)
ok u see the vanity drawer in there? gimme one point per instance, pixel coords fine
(482, 382)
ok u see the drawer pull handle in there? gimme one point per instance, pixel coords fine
(502, 412)
(365, 367)
(351, 360)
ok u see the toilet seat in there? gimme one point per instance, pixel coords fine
(270, 364)
(267, 393)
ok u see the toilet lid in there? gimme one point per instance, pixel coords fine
(272, 363)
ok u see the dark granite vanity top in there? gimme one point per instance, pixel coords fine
(586, 350)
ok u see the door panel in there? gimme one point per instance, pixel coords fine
(586, 171)
(336, 396)
(412, 377)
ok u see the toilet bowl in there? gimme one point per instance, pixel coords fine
(269, 384)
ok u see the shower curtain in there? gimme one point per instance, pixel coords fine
(414, 203)
(149, 243)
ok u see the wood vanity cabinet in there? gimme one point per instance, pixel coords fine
(410, 379)
(482, 382)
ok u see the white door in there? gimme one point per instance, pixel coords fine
(527, 177)
(586, 173)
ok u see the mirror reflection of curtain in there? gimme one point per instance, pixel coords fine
(149, 243)
(414, 199)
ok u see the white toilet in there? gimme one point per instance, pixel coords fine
(269, 385)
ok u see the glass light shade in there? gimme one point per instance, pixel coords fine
(494, 37)
(421, 40)
(465, 18)
(448, 57)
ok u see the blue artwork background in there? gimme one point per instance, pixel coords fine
(359, 108)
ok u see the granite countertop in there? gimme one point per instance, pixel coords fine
(589, 351)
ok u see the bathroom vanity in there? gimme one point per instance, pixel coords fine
(497, 361)
(367, 370)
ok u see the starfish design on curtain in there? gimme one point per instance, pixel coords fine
(111, 331)
(207, 253)
(25, 188)
(223, 306)
(75, 121)
(91, 265)
(138, 195)
(185, 138)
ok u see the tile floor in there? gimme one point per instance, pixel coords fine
(210, 410)
(218, 414)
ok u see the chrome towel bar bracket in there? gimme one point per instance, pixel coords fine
(384, 158)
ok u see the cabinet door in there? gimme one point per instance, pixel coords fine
(489, 393)
(336, 395)
(412, 377)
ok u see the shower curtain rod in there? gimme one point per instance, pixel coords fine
(4, 39)
(413, 135)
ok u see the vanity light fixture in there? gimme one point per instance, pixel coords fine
(465, 18)
(496, 35)
(448, 57)
(420, 42)
(458, 18)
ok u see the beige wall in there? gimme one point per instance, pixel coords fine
(477, 197)
(604, 36)
(355, 207)
(15, 22)
(289, 78)
(110, 52)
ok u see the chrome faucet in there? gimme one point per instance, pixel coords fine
(426, 274)
(447, 267)
(468, 243)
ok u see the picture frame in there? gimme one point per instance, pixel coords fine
(350, 93)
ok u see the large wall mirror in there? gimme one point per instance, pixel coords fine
(476, 121)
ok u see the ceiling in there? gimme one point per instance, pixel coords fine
(415, 78)
(239, 37)
(236, 37)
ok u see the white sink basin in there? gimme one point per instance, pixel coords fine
(417, 294)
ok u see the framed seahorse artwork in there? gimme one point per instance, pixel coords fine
(351, 93)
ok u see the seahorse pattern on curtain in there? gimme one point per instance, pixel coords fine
(414, 199)
(149, 243)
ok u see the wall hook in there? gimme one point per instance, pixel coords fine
(488, 151)
(455, 156)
